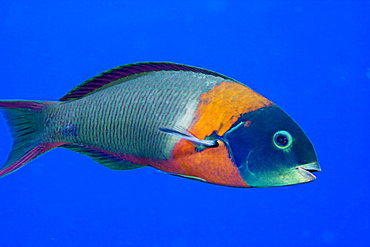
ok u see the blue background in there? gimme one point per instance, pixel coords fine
(310, 57)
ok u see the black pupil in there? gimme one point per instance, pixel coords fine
(281, 140)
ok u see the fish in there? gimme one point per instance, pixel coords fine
(183, 120)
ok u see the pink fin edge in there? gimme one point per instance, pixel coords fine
(30, 155)
(36, 106)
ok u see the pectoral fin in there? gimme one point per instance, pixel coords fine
(184, 134)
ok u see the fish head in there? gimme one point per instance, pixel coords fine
(270, 149)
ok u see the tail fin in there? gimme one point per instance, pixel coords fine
(25, 120)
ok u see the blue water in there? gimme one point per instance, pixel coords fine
(310, 57)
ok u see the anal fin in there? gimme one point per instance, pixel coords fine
(103, 158)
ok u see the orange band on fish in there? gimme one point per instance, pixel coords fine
(213, 114)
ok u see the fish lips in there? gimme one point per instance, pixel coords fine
(306, 170)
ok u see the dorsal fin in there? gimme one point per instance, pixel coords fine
(127, 72)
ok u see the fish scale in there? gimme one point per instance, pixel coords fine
(132, 128)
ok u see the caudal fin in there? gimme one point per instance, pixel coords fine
(25, 120)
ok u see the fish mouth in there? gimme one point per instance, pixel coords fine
(306, 170)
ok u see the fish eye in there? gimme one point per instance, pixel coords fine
(282, 139)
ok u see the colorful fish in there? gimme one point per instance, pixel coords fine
(183, 120)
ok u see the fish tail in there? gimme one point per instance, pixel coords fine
(26, 124)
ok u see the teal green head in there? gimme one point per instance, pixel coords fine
(270, 149)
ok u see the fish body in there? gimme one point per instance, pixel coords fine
(183, 120)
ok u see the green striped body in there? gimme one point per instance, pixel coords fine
(125, 118)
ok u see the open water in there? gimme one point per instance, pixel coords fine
(312, 58)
